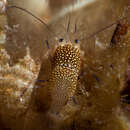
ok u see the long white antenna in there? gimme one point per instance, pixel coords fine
(33, 15)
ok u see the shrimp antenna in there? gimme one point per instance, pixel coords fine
(68, 25)
(92, 35)
(33, 15)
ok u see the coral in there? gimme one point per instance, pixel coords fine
(2, 6)
(16, 83)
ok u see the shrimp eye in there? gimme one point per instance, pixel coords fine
(61, 40)
(76, 41)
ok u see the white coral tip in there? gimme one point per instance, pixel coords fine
(3, 4)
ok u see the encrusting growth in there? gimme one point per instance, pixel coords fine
(16, 83)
